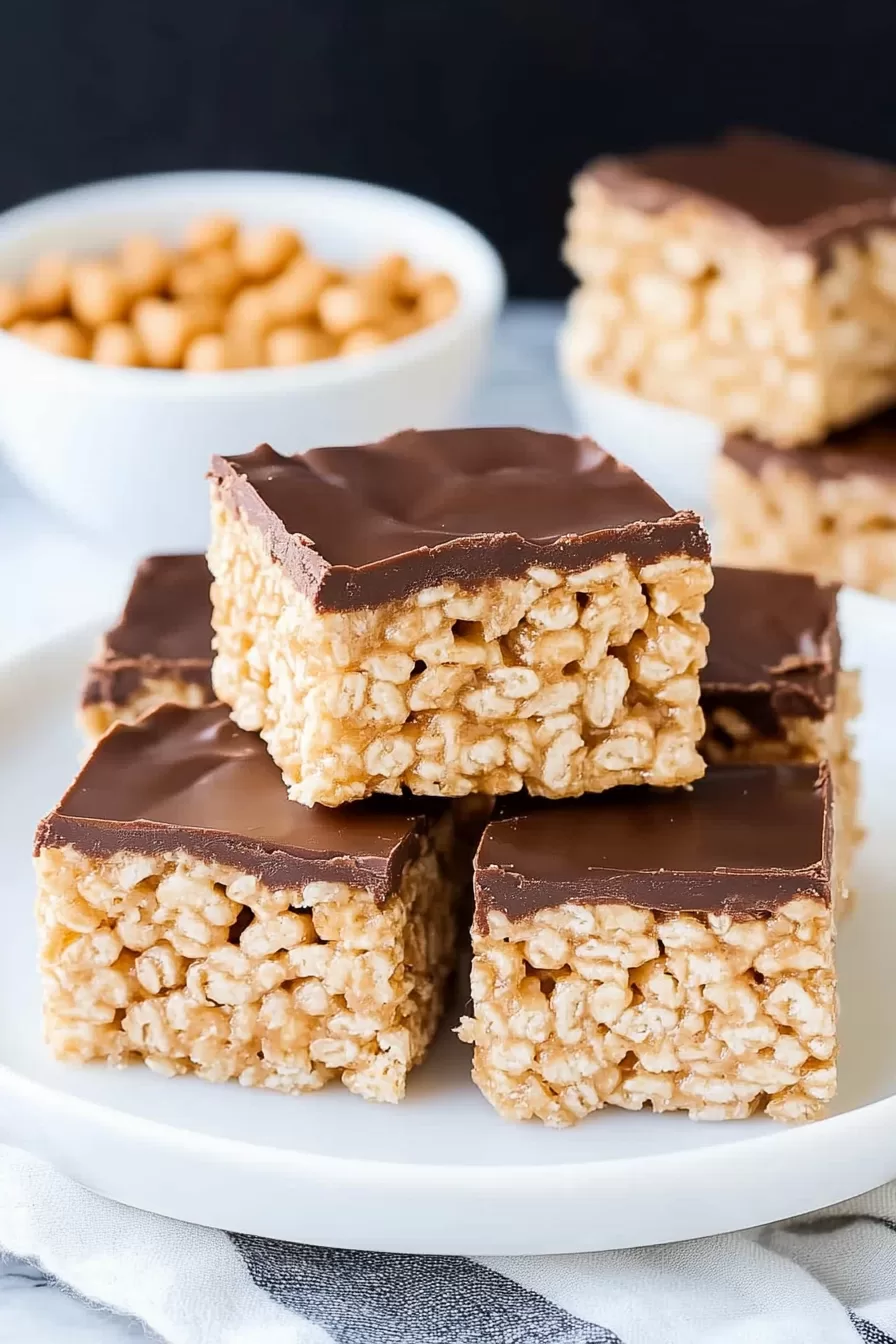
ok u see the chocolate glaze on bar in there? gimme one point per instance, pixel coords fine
(357, 527)
(802, 194)
(774, 647)
(164, 632)
(743, 841)
(868, 449)
(189, 779)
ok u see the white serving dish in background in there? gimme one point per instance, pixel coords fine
(123, 452)
(672, 449)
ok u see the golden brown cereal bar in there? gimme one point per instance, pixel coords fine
(662, 949)
(752, 280)
(193, 918)
(458, 612)
(828, 510)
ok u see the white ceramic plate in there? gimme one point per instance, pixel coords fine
(441, 1172)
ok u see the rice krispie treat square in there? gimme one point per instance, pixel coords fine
(828, 510)
(773, 688)
(193, 918)
(160, 650)
(667, 948)
(752, 280)
(455, 612)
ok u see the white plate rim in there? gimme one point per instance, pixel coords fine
(822, 1140)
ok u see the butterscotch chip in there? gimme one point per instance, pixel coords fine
(26, 329)
(293, 296)
(117, 343)
(363, 339)
(210, 231)
(46, 287)
(213, 274)
(250, 311)
(392, 275)
(61, 336)
(342, 308)
(245, 347)
(98, 293)
(263, 251)
(204, 313)
(207, 353)
(311, 309)
(437, 298)
(163, 329)
(402, 321)
(144, 264)
(12, 304)
(551, 642)
(298, 345)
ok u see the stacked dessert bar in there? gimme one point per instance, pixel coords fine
(460, 656)
(753, 280)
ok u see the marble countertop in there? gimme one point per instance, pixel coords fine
(61, 581)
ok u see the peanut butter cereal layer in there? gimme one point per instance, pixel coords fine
(752, 280)
(193, 918)
(458, 612)
(662, 948)
(160, 650)
(827, 510)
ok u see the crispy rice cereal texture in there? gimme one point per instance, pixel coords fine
(580, 1007)
(731, 740)
(842, 531)
(196, 968)
(684, 308)
(562, 683)
(97, 719)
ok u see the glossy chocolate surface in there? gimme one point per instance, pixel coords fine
(743, 840)
(356, 527)
(774, 647)
(164, 632)
(804, 194)
(190, 779)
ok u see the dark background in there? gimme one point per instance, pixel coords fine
(487, 106)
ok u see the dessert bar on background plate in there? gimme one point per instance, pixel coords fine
(192, 917)
(456, 612)
(663, 948)
(752, 280)
(160, 650)
(827, 510)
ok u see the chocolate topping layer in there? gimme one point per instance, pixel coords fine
(164, 631)
(189, 779)
(356, 527)
(774, 648)
(803, 194)
(868, 449)
(743, 841)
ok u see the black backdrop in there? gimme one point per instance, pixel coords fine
(487, 106)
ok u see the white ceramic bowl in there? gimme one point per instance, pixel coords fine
(123, 452)
(672, 449)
